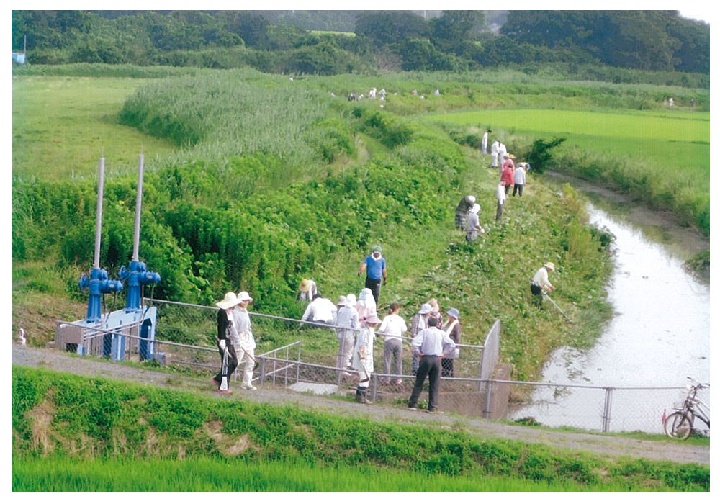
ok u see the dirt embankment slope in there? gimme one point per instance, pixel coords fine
(604, 445)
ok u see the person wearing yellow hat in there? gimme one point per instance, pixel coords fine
(308, 289)
(225, 339)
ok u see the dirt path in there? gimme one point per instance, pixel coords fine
(605, 445)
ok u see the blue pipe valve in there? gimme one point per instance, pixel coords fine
(99, 284)
(136, 275)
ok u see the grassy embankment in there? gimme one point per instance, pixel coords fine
(140, 438)
(404, 193)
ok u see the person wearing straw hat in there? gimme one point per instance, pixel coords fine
(245, 341)
(454, 330)
(540, 283)
(363, 361)
(226, 335)
(308, 289)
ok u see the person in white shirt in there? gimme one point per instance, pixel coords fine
(484, 142)
(430, 344)
(347, 326)
(540, 283)
(519, 179)
(320, 310)
(392, 329)
(245, 341)
(500, 200)
(494, 154)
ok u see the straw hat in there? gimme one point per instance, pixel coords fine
(305, 285)
(550, 266)
(229, 301)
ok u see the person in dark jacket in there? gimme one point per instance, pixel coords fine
(226, 341)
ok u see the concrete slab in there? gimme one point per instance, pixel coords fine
(315, 388)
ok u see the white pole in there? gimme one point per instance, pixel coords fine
(138, 207)
(98, 212)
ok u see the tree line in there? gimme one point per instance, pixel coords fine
(337, 42)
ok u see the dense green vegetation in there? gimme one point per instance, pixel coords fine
(72, 433)
(301, 42)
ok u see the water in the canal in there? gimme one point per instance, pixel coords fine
(660, 334)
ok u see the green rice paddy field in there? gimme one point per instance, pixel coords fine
(669, 138)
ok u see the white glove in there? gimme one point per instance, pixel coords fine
(222, 344)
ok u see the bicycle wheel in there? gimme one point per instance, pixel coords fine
(678, 425)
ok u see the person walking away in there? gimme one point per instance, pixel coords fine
(375, 269)
(363, 360)
(417, 324)
(308, 289)
(347, 324)
(392, 329)
(454, 330)
(462, 209)
(500, 201)
(508, 173)
(225, 340)
(245, 342)
(519, 176)
(540, 283)
(484, 142)
(429, 343)
(320, 310)
(473, 224)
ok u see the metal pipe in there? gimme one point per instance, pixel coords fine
(98, 212)
(138, 208)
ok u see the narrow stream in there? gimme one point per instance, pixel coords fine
(660, 333)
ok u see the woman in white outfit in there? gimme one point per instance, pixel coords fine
(245, 342)
(363, 360)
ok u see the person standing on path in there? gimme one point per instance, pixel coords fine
(429, 343)
(417, 325)
(540, 284)
(348, 323)
(519, 179)
(508, 173)
(453, 329)
(363, 361)
(225, 340)
(392, 329)
(484, 142)
(500, 194)
(245, 341)
(494, 154)
(375, 269)
(502, 156)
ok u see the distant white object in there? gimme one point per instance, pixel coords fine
(21, 337)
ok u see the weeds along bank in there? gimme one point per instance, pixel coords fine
(67, 420)
(275, 180)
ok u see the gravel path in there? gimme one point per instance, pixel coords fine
(599, 444)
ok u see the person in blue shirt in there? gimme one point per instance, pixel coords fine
(375, 269)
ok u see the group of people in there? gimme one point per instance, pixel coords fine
(435, 340)
(235, 341)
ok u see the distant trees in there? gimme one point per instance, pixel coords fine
(444, 40)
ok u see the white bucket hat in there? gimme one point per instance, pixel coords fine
(229, 301)
(244, 296)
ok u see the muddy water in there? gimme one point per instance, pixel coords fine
(659, 335)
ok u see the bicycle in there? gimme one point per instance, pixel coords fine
(679, 425)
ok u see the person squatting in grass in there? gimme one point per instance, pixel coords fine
(225, 340)
(245, 341)
(308, 289)
(363, 361)
(375, 269)
(430, 343)
(392, 329)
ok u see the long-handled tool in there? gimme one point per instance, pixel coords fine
(558, 308)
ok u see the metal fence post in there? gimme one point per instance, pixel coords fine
(487, 411)
(607, 408)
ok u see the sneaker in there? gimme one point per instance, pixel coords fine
(434, 411)
(413, 408)
(248, 387)
(228, 391)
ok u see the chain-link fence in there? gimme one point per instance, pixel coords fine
(478, 385)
